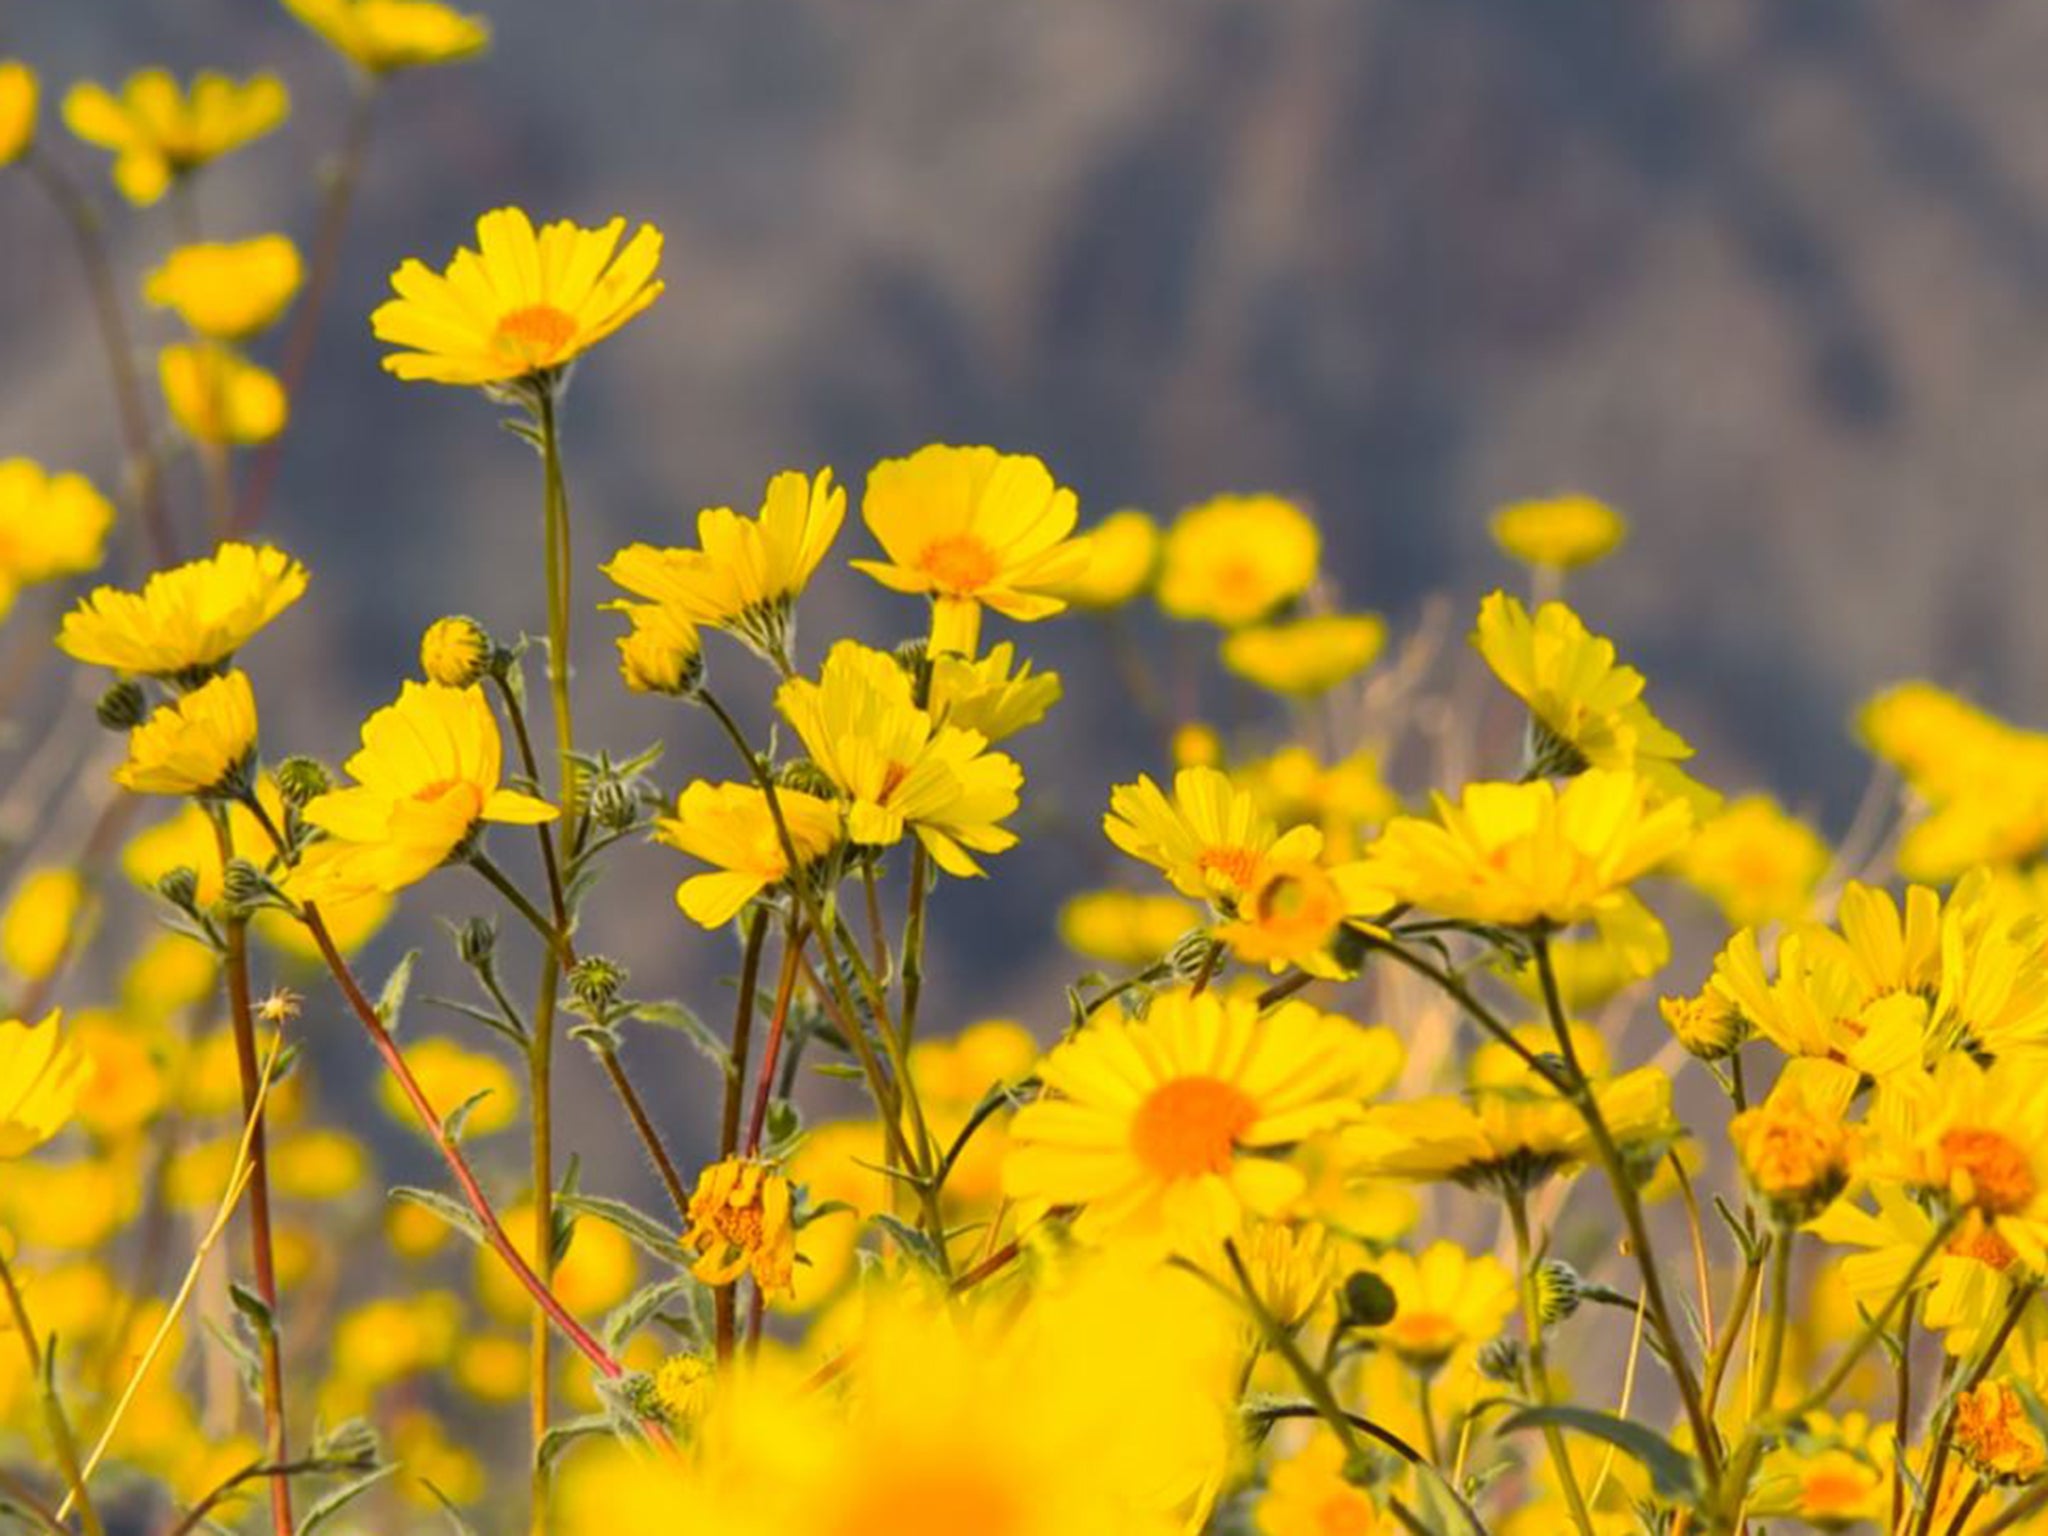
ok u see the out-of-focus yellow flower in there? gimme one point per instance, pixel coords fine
(128, 1085)
(318, 1164)
(1307, 1494)
(521, 304)
(1985, 781)
(426, 777)
(1211, 840)
(492, 1368)
(158, 131)
(1519, 854)
(413, 1231)
(170, 972)
(218, 396)
(1235, 559)
(451, 1074)
(42, 1073)
(732, 827)
(1156, 1125)
(44, 921)
(596, 1273)
(438, 1471)
(1626, 944)
(199, 744)
(685, 1386)
(1123, 552)
(1794, 1149)
(861, 725)
(1754, 862)
(455, 652)
(1560, 533)
(1445, 1299)
(1127, 928)
(1308, 656)
(746, 573)
(740, 1224)
(51, 526)
(1196, 744)
(1343, 800)
(20, 94)
(987, 696)
(192, 616)
(972, 528)
(228, 290)
(1833, 1475)
(72, 1207)
(391, 1338)
(1997, 1436)
(661, 653)
(380, 36)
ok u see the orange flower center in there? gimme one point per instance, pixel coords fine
(1423, 1333)
(1348, 1513)
(1299, 902)
(1238, 866)
(960, 565)
(1986, 1247)
(1833, 1491)
(1190, 1126)
(534, 335)
(1999, 1173)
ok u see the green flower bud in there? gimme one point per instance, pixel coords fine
(179, 887)
(301, 780)
(123, 706)
(1367, 1301)
(596, 981)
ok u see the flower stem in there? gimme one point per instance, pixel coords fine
(1538, 1370)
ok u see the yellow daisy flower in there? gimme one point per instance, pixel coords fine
(973, 529)
(1445, 1299)
(1295, 909)
(1835, 1474)
(992, 697)
(228, 291)
(1560, 533)
(159, 132)
(746, 573)
(51, 526)
(1984, 781)
(1755, 862)
(661, 653)
(859, 723)
(1162, 1127)
(42, 1074)
(1976, 1138)
(1123, 552)
(19, 93)
(523, 303)
(1210, 840)
(1520, 854)
(1794, 1149)
(1305, 657)
(380, 36)
(1127, 928)
(730, 826)
(192, 616)
(42, 922)
(1235, 559)
(426, 778)
(216, 395)
(199, 744)
(1996, 1433)
(1307, 1494)
(740, 1224)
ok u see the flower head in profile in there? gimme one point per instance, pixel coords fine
(426, 778)
(993, 696)
(732, 827)
(740, 1225)
(159, 131)
(1295, 910)
(1123, 555)
(1560, 533)
(228, 291)
(972, 528)
(189, 618)
(1794, 1149)
(1210, 839)
(217, 396)
(455, 651)
(522, 304)
(1163, 1127)
(1234, 560)
(899, 774)
(198, 744)
(661, 653)
(746, 573)
(51, 526)
(42, 1073)
(1305, 657)
(20, 95)
(381, 36)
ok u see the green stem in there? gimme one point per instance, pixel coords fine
(1930, 1492)
(1538, 1371)
(725, 1298)
(42, 1371)
(552, 936)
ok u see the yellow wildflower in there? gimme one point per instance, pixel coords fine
(1294, 910)
(455, 652)
(684, 1386)
(228, 291)
(1123, 552)
(1794, 1149)
(1235, 559)
(1754, 862)
(987, 696)
(1984, 781)
(1560, 533)
(43, 922)
(426, 778)
(1305, 657)
(1307, 1494)
(661, 653)
(1997, 1435)
(898, 773)
(1126, 928)
(740, 1224)
(521, 304)
(216, 395)
(19, 93)
(1343, 799)
(192, 616)
(380, 36)
(1210, 840)
(1835, 1474)
(973, 529)
(596, 1273)
(1975, 1137)
(732, 827)
(159, 132)
(42, 1073)
(199, 744)
(51, 526)
(1707, 1024)
(1445, 1299)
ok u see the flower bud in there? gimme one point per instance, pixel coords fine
(1367, 1301)
(683, 1385)
(455, 652)
(1796, 1155)
(179, 887)
(1708, 1025)
(242, 884)
(661, 653)
(301, 780)
(477, 941)
(612, 805)
(596, 982)
(806, 778)
(1558, 1291)
(1501, 1360)
(1193, 953)
(123, 706)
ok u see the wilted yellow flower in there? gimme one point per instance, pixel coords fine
(1445, 1299)
(216, 395)
(158, 132)
(192, 616)
(1307, 1494)
(1126, 927)
(1560, 533)
(972, 528)
(426, 777)
(42, 1073)
(1210, 840)
(452, 1075)
(1157, 1125)
(1794, 1150)
(661, 653)
(521, 304)
(228, 291)
(987, 696)
(732, 827)
(899, 775)
(740, 1224)
(1754, 862)
(1997, 1436)
(19, 93)
(1236, 559)
(199, 744)
(1305, 657)
(1519, 854)
(455, 652)
(746, 573)
(42, 922)
(1123, 552)
(51, 526)
(379, 36)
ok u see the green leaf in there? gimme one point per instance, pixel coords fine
(253, 1308)
(567, 1432)
(910, 1240)
(247, 1366)
(456, 1523)
(340, 1499)
(673, 1015)
(453, 1122)
(452, 1211)
(483, 1016)
(1673, 1475)
(392, 998)
(633, 1314)
(659, 1240)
